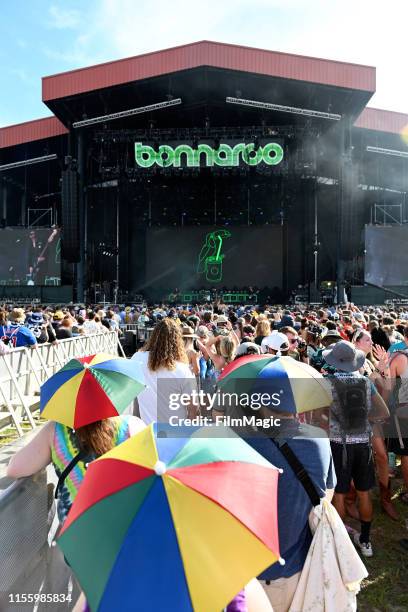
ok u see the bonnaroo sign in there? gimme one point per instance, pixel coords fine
(204, 155)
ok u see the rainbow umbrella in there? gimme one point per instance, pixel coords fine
(88, 389)
(164, 523)
(298, 387)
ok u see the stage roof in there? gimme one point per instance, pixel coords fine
(38, 129)
(203, 73)
(213, 54)
(382, 121)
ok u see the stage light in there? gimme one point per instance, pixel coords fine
(127, 113)
(392, 152)
(307, 112)
(28, 162)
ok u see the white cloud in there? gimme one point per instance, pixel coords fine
(348, 30)
(23, 76)
(62, 19)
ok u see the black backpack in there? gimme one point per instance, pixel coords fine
(353, 405)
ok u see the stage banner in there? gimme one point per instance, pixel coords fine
(228, 153)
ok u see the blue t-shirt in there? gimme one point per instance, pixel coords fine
(19, 335)
(294, 505)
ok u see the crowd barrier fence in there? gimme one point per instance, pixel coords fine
(135, 336)
(23, 370)
(29, 562)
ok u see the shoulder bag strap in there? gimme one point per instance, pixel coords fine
(81, 455)
(300, 472)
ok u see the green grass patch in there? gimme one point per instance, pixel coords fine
(386, 588)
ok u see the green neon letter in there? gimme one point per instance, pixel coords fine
(239, 148)
(168, 159)
(272, 154)
(223, 155)
(187, 151)
(209, 153)
(145, 156)
(252, 160)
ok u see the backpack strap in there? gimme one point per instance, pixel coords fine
(79, 457)
(300, 472)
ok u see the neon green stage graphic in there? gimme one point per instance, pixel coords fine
(226, 155)
(210, 258)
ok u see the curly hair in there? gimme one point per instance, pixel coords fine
(165, 346)
(96, 438)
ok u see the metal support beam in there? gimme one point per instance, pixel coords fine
(4, 201)
(340, 198)
(81, 207)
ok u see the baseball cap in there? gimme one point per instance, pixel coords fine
(246, 348)
(275, 341)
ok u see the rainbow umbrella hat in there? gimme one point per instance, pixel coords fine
(88, 389)
(300, 387)
(163, 524)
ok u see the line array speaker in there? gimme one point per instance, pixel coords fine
(70, 216)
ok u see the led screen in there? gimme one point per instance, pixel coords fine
(30, 257)
(207, 256)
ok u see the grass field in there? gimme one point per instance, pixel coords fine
(386, 588)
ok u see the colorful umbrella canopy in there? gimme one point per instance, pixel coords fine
(164, 523)
(299, 386)
(88, 389)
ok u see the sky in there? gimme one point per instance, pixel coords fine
(43, 37)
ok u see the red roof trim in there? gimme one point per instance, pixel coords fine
(207, 53)
(382, 121)
(38, 129)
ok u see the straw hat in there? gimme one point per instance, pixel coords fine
(187, 332)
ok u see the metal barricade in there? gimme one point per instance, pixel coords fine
(23, 370)
(29, 564)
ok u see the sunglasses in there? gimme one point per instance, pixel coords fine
(294, 341)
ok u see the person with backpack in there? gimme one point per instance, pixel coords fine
(397, 393)
(356, 404)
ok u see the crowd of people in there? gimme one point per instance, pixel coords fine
(362, 351)
(32, 326)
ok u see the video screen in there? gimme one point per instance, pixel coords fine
(30, 257)
(213, 257)
(386, 260)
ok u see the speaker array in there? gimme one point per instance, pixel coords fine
(70, 216)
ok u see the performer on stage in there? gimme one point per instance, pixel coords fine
(38, 258)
